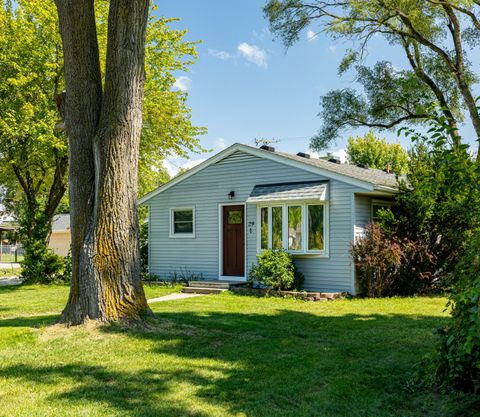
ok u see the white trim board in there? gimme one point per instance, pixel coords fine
(261, 154)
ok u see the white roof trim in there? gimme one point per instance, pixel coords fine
(261, 154)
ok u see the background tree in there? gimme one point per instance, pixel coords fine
(34, 155)
(436, 37)
(377, 153)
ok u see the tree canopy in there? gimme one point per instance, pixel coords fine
(436, 37)
(377, 153)
(33, 144)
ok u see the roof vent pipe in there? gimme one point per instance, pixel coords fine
(304, 155)
(267, 148)
(362, 166)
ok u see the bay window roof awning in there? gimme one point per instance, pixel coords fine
(293, 191)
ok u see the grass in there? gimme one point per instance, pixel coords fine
(10, 257)
(222, 355)
(9, 272)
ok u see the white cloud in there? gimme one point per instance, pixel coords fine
(223, 55)
(253, 54)
(311, 35)
(193, 163)
(220, 144)
(170, 167)
(250, 53)
(183, 83)
(332, 49)
(174, 165)
(336, 153)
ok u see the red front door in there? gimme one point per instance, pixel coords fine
(234, 241)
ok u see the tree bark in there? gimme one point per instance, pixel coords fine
(104, 133)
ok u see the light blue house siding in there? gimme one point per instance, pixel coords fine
(240, 172)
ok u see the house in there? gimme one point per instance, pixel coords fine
(215, 218)
(60, 237)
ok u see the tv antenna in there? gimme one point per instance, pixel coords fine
(265, 141)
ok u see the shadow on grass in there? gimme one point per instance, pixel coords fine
(7, 289)
(134, 394)
(31, 321)
(288, 364)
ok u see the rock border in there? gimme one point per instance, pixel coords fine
(299, 295)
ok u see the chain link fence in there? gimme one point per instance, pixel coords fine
(11, 253)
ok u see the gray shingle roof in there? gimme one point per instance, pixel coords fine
(288, 191)
(61, 222)
(370, 175)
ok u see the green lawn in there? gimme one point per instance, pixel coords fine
(222, 355)
(10, 257)
(9, 272)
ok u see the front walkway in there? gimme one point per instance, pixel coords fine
(10, 281)
(175, 296)
(8, 265)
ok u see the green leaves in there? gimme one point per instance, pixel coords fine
(457, 361)
(377, 153)
(276, 269)
(436, 39)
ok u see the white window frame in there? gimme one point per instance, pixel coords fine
(379, 203)
(304, 205)
(174, 235)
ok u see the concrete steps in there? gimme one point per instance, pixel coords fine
(208, 287)
(200, 290)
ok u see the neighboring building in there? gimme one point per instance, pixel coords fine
(215, 218)
(60, 238)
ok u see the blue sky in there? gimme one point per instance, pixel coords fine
(246, 86)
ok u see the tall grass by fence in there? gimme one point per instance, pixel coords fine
(11, 253)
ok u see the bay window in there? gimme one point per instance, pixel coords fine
(295, 227)
(277, 227)
(300, 228)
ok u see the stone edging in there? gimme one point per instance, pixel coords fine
(301, 295)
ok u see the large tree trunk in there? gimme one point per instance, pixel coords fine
(104, 134)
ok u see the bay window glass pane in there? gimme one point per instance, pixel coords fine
(264, 228)
(277, 228)
(295, 227)
(315, 228)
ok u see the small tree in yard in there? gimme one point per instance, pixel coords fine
(103, 123)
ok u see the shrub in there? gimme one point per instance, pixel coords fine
(40, 264)
(389, 265)
(67, 267)
(377, 258)
(457, 361)
(276, 269)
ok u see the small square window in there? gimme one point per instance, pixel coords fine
(182, 222)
